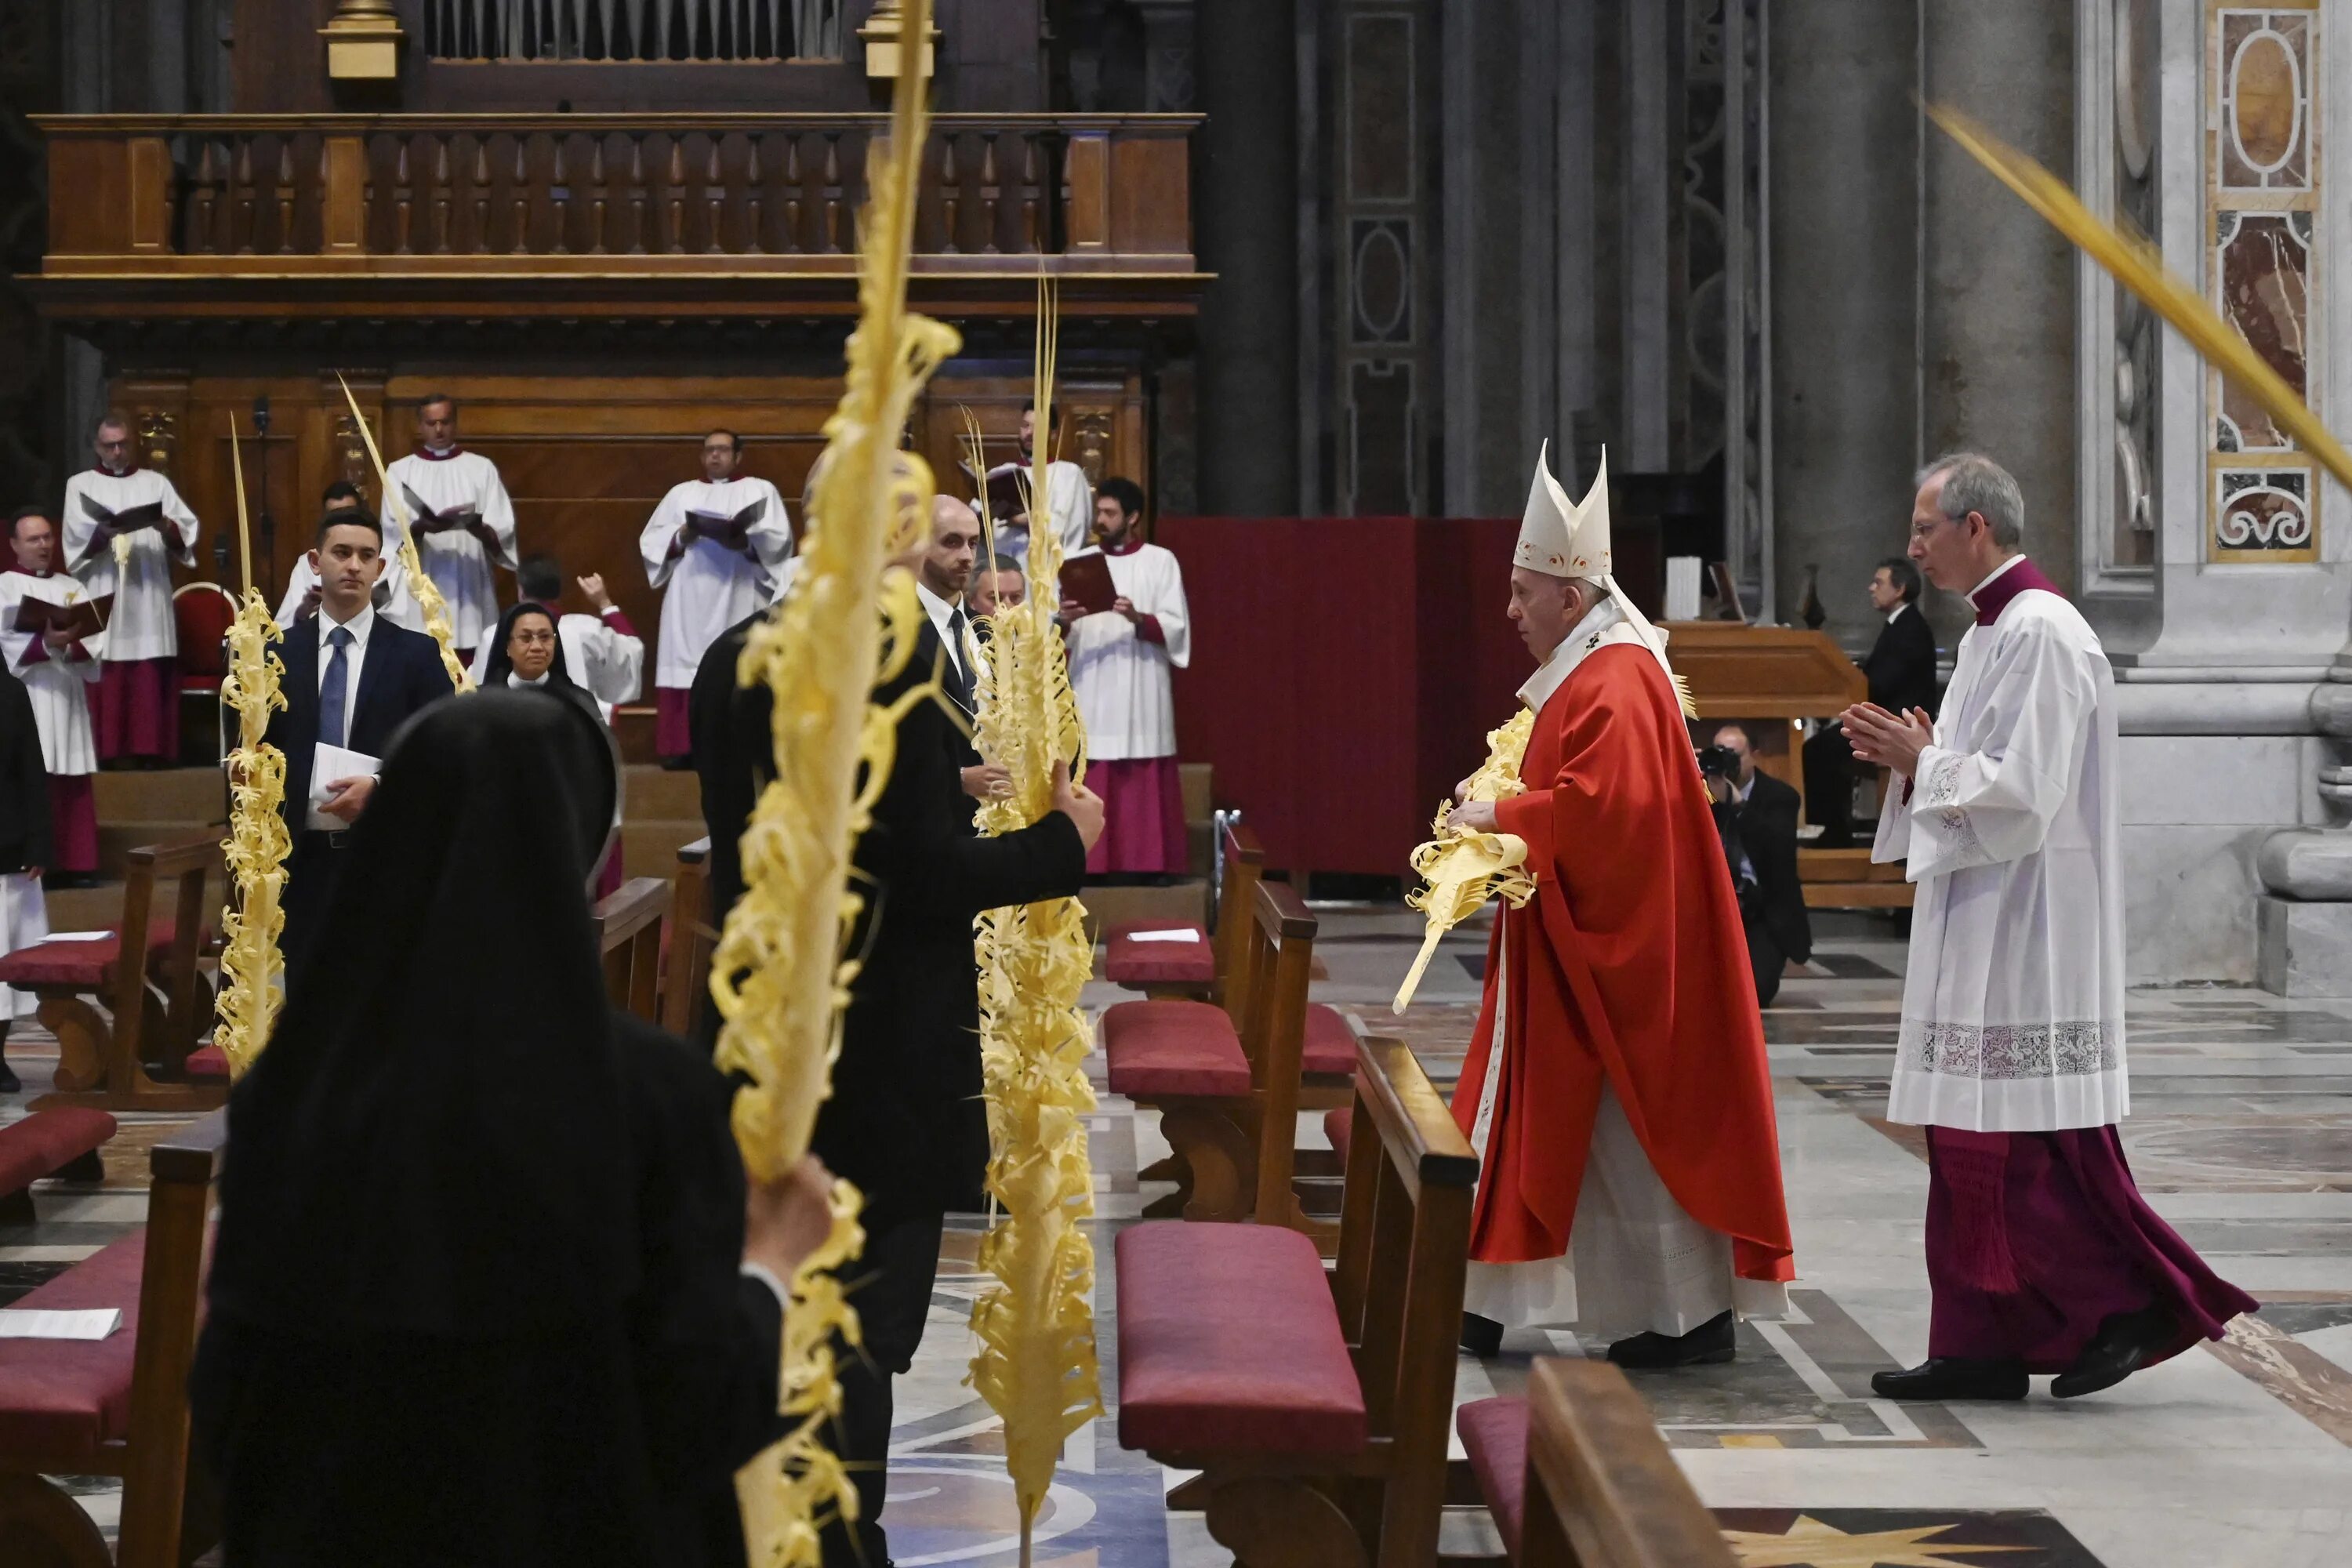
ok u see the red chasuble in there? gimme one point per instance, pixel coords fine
(1628, 967)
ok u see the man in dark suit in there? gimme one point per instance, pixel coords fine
(1901, 668)
(907, 1121)
(1755, 815)
(353, 679)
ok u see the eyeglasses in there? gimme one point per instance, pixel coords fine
(535, 639)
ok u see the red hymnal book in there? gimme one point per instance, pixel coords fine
(1086, 579)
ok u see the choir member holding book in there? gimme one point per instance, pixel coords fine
(464, 521)
(51, 632)
(125, 526)
(718, 544)
(1123, 605)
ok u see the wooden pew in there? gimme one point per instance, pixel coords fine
(692, 934)
(1208, 1070)
(1196, 970)
(1315, 1406)
(1577, 1476)
(628, 934)
(117, 1406)
(103, 1058)
(1302, 1054)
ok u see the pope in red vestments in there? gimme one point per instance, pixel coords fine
(1616, 1085)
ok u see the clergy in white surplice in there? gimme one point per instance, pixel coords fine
(718, 545)
(1069, 498)
(464, 521)
(124, 527)
(602, 654)
(2043, 1256)
(58, 668)
(1121, 664)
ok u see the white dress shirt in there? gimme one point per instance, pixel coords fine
(942, 612)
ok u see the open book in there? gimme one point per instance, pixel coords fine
(734, 532)
(425, 520)
(83, 618)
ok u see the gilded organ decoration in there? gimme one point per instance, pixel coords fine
(352, 464)
(2262, 186)
(1094, 441)
(158, 439)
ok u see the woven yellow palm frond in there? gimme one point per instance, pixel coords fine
(429, 602)
(2139, 266)
(1036, 1365)
(1460, 871)
(840, 629)
(258, 842)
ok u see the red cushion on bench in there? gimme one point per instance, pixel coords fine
(1495, 1437)
(1228, 1340)
(206, 1062)
(1127, 961)
(1339, 1125)
(47, 1140)
(87, 965)
(1160, 1050)
(1327, 1045)
(61, 1400)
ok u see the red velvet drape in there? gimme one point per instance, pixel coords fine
(1345, 672)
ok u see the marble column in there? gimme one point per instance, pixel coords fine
(1844, 244)
(1998, 305)
(1246, 203)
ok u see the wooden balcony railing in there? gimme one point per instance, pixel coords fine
(681, 193)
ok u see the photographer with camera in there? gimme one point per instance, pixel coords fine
(1755, 817)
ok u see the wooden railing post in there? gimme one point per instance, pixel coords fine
(1086, 168)
(344, 203)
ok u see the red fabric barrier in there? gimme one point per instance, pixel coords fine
(1345, 672)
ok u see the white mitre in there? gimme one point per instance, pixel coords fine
(1560, 537)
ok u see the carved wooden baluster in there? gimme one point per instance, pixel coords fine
(992, 196)
(754, 227)
(241, 216)
(479, 242)
(443, 196)
(830, 239)
(715, 194)
(601, 196)
(284, 195)
(558, 194)
(673, 194)
(403, 202)
(1031, 243)
(794, 206)
(951, 194)
(519, 194)
(636, 194)
(204, 200)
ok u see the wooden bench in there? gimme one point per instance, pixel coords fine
(1845, 879)
(628, 934)
(1315, 1405)
(1211, 1071)
(60, 1143)
(103, 1060)
(688, 942)
(116, 1406)
(1195, 969)
(1577, 1476)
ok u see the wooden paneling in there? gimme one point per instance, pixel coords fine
(587, 458)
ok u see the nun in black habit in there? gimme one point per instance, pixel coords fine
(481, 1293)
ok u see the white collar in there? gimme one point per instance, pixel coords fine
(1996, 571)
(1896, 614)
(1581, 640)
(360, 626)
(514, 679)
(939, 609)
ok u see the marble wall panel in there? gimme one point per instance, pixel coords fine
(2188, 903)
(2214, 780)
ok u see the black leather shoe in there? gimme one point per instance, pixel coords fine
(9, 1082)
(1709, 1344)
(2121, 1347)
(1952, 1377)
(1481, 1337)
(676, 764)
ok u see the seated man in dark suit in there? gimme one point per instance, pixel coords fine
(1901, 668)
(1755, 815)
(353, 679)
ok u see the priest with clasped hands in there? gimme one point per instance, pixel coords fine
(1616, 1088)
(2042, 1255)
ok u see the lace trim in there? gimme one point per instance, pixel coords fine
(1944, 783)
(1967, 846)
(2070, 1048)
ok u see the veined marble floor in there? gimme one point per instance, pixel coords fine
(2232, 1455)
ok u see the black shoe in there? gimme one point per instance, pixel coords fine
(1710, 1343)
(1481, 1337)
(1953, 1377)
(9, 1082)
(2121, 1347)
(676, 764)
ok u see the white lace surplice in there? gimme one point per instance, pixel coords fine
(2013, 1003)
